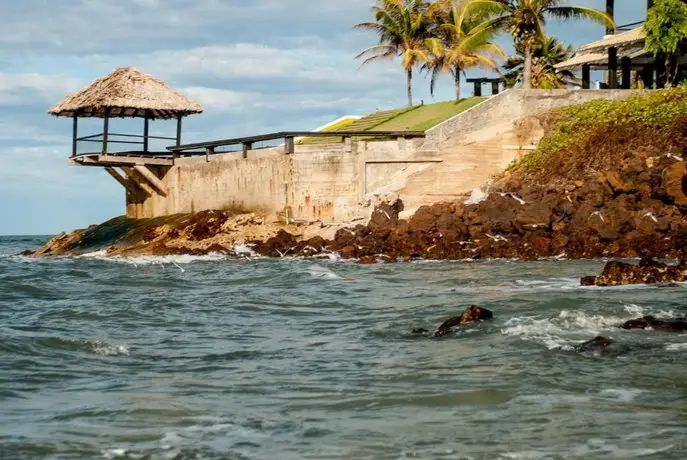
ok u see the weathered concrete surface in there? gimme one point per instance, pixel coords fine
(342, 182)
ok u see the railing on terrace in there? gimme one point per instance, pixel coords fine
(108, 143)
(288, 137)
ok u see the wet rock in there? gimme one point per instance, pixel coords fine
(280, 245)
(420, 330)
(650, 322)
(368, 260)
(471, 315)
(647, 272)
(204, 225)
(595, 344)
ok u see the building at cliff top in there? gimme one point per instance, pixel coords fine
(421, 154)
(621, 53)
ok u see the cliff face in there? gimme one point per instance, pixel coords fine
(609, 179)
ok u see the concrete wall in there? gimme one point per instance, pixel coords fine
(321, 182)
(339, 182)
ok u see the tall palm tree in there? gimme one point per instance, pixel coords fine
(545, 56)
(525, 20)
(402, 26)
(465, 44)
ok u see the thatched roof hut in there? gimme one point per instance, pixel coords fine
(127, 92)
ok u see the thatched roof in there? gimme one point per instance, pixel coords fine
(127, 92)
(624, 39)
(577, 61)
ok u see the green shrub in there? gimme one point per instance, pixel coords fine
(576, 125)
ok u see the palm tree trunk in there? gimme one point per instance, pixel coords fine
(527, 74)
(409, 86)
(456, 77)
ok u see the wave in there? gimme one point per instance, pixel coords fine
(320, 272)
(570, 327)
(35, 345)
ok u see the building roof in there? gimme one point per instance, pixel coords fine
(576, 61)
(629, 38)
(127, 92)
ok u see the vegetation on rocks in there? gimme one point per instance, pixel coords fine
(595, 136)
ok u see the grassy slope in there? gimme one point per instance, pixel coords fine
(426, 116)
(416, 118)
(596, 136)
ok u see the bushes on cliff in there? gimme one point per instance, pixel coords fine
(597, 135)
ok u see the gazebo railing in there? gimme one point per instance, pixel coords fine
(106, 140)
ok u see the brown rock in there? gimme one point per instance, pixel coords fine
(471, 315)
(650, 322)
(675, 183)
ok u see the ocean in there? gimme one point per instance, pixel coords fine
(220, 358)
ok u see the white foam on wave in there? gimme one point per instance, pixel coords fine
(104, 349)
(570, 327)
(155, 260)
(320, 272)
(677, 346)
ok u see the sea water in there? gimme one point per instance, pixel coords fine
(220, 358)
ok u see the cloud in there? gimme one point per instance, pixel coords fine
(34, 88)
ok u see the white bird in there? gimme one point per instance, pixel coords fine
(651, 215)
(598, 213)
(519, 200)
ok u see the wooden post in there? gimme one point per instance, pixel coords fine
(106, 128)
(478, 88)
(75, 136)
(179, 129)
(661, 71)
(586, 76)
(146, 131)
(494, 87)
(610, 7)
(626, 69)
(288, 145)
(246, 147)
(209, 151)
(612, 68)
(648, 76)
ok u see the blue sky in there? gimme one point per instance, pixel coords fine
(256, 66)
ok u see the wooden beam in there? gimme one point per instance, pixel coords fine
(586, 76)
(289, 145)
(612, 68)
(146, 131)
(179, 130)
(135, 177)
(75, 136)
(130, 186)
(152, 179)
(246, 147)
(106, 128)
(610, 10)
(647, 76)
(626, 70)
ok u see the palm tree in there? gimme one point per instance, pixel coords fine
(525, 20)
(402, 26)
(545, 56)
(465, 43)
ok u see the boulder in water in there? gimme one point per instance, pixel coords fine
(678, 325)
(647, 272)
(471, 315)
(595, 344)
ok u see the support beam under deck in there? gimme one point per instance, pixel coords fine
(132, 187)
(152, 179)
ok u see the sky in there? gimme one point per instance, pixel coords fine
(256, 66)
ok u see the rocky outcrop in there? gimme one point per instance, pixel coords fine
(596, 344)
(647, 272)
(472, 315)
(678, 325)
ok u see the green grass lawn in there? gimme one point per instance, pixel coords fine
(427, 116)
(416, 118)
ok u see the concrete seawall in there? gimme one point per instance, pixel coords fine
(340, 182)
